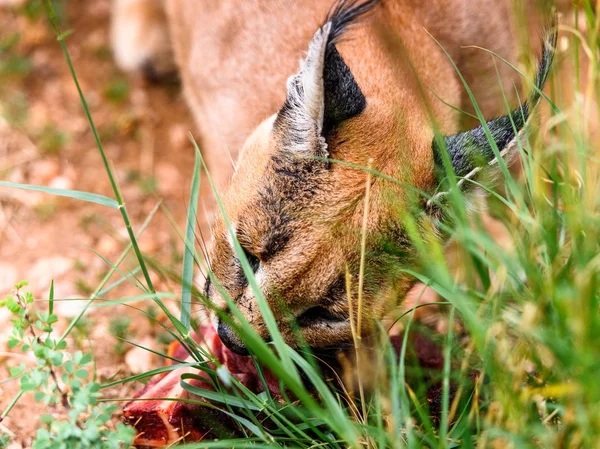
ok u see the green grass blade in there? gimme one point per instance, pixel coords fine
(250, 443)
(11, 405)
(335, 414)
(118, 282)
(255, 429)
(51, 298)
(188, 255)
(215, 396)
(74, 194)
(136, 298)
(446, 383)
(147, 374)
(137, 283)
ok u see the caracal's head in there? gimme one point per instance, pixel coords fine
(313, 233)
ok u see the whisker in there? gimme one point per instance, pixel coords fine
(200, 242)
(198, 263)
(206, 214)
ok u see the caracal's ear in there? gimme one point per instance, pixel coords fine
(471, 153)
(324, 92)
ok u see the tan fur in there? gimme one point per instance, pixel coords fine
(234, 58)
(234, 67)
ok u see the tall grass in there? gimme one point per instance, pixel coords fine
(523, 371)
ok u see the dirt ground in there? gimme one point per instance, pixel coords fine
(46, 140)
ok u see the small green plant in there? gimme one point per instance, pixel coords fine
(46, 210)
(4, 440)
(14, 107)
(82, 330)
(117, 90)
(60, 380)
(119, 327)
(103, 52)
(50, 139)
(83, 287)
(34, 10)
(146, 183)
(12, 63)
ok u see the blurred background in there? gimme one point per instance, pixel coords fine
(46, 140)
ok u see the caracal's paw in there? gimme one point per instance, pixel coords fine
(140, 39)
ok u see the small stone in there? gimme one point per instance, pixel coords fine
(100, 332)
(178, 136)
(61, 182)
(132, 193)
(17, 175)
(107, 245)
(98, 9)
(47, 269)
(96, 39)
(139, 98)
(70, 173)
(5, 316)
(141, 360)
(148, 245)
(38, 110)
(168, 178)
(30, 199)
(8, 277)
(12, 3)
(33, 33)
(70, 303)
(42, 172)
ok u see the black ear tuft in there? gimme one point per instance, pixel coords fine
(343, 97)
(471, 149)
(345, 13)
(324, 92)
(471, 152)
